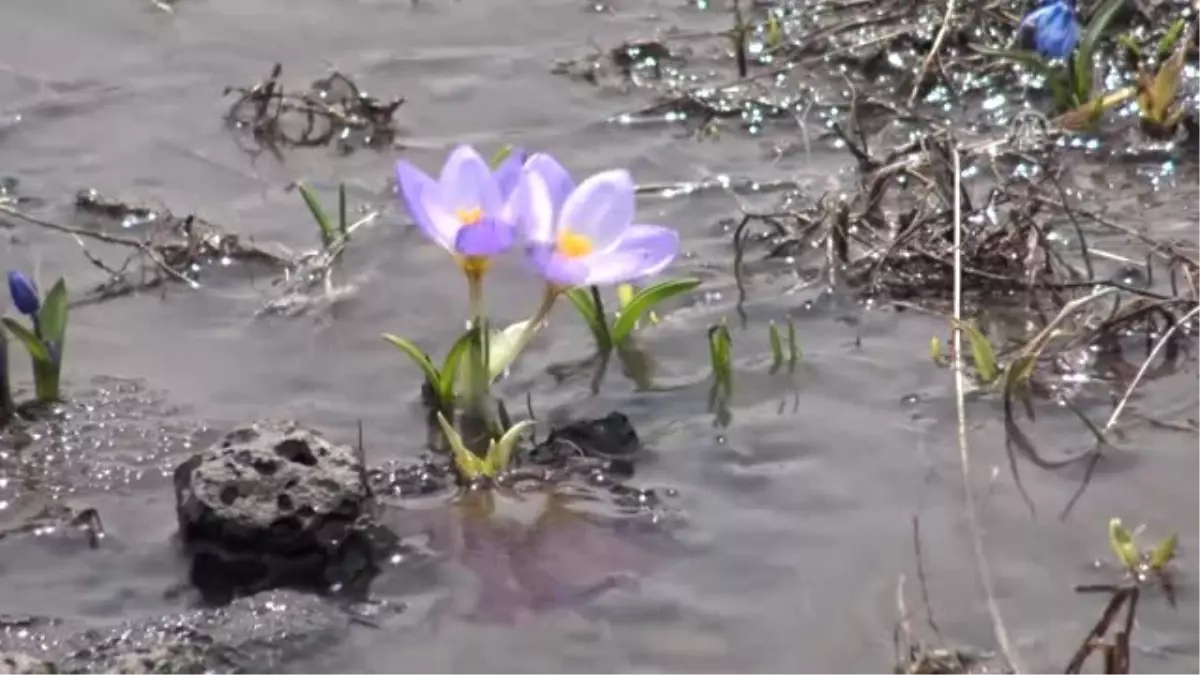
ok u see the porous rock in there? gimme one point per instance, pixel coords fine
(273, 504)
(17, 663)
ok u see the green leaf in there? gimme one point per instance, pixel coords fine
(418, 357)
(981, 351)
(37, 350)
(1163, 553)
(501, 155)
(500, 452)
(469, 464)
(1084, 61)
(53, 316)
(502, 348)
(720, 351)
(581, 299)
(1032, 60)
(1167, 43)
(793, 344)
(328, 234)
(625, 293)
(935, 349)
(776, 347)
(646, 300)
(1121, 542)
(343, 219)
(450, 365)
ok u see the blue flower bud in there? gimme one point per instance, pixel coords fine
(24, 293)
(1054, 27)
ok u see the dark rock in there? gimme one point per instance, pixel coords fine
(274, 504)
(611, 438)
(17, 663)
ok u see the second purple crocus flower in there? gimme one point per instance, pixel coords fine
(584, 235)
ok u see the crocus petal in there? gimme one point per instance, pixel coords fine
(443, 223)
(557, 178)
(490, 236)
(532, 209)
(659, 244)
(466, 182)
(557, 269)
(650, 249)
(413, 184)
(601, 208)
(509, 172)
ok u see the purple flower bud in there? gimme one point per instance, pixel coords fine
(24, 293)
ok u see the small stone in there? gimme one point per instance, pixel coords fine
(272, 504)
(16, 663)
(611, 438)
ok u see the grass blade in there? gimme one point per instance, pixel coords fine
(343, 219)
(328, 234)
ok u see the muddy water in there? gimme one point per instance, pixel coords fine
(791, 525)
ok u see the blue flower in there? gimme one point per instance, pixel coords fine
(1055, 28)
(24, 293)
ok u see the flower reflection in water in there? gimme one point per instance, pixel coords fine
(517, 555)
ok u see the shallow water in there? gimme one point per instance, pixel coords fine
(792, 524)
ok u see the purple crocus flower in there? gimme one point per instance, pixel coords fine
(1055, 28)
(465, 210)
(584, 235)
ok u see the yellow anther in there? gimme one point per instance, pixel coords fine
(573, 245)
(469, 216)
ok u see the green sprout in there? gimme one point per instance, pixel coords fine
(1158, 90)
(720, 356)
(494, 462)
(330, 233)
(777, 355)
(617, 332)
(7, 407)
(46, 340)
(1138, 562)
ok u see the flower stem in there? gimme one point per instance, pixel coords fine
(549, 296)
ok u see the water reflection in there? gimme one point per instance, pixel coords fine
(512, 555)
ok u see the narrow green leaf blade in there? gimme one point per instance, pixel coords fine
(328, 234)
(776, 347)
(450, 365)
(37, 351)
(418, 357)
(343, 217)
(581, 300)
(53, 315)
(468, 463)
(500, 452)
(501, 155)
(1121, 542)
(1095, 30)
(644, 301)
(981, 351)
(1163, 553)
